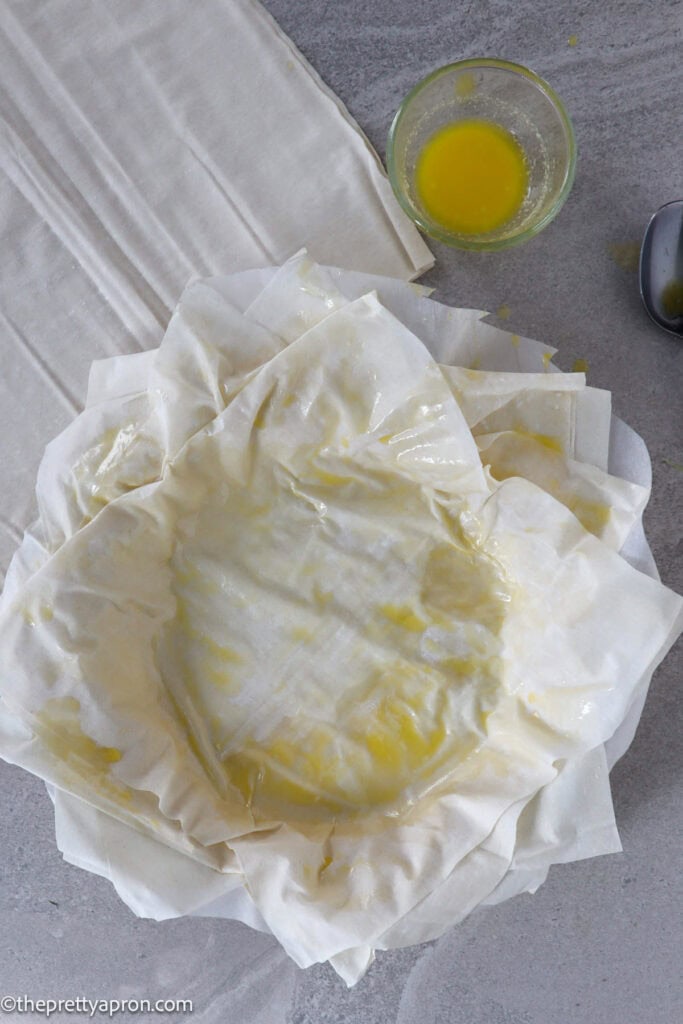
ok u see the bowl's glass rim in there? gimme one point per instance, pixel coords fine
(442, 235)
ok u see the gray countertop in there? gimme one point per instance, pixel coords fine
(600, 941)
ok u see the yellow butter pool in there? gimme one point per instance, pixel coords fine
(471, 176)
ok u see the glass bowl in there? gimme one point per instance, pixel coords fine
(510, 96)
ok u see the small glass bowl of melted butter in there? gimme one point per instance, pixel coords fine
(481, 154)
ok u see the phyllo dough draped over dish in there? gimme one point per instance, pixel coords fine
(326, 615)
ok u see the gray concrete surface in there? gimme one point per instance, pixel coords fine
(600, 942)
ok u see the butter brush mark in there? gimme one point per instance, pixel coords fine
(461, 584)
(553, 444)
(200, 670)
(393, 737)
(407, 724)
(214, 661)
(594, 516)
(403, 616)
(58, 727)
(85, 767)
(527, 455)
(387, 733)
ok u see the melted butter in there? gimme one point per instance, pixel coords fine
(222, 653)
(388, 735)
(471, 176)
(580, 366)
(403, 616)
(547, 356)
(465, 85)
(466, 585)
(396, 739)
(503, 312)
(322, 597)
(545, 440)
(626, 255)
(200, 656)
(329, 479)
(550, 474)
(63, 714)
(593, 515)
(222, 679)
(363, 741)
(672, 298)
(461, 668)
(483, 672)
(188, 575)
(58, 726)
(392, 734)
(302, 635)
